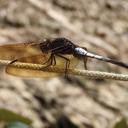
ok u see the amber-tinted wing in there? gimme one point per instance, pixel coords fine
(40, 59)
(30, 53)
(15, 51)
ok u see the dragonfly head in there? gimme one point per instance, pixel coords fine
(45, 45)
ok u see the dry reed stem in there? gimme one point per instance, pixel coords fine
(85, 73)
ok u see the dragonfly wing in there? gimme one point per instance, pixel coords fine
(14, 51)
(61, 62)
(39, 59)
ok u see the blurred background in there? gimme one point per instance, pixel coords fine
(99, 25)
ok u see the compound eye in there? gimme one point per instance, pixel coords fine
(45, 40)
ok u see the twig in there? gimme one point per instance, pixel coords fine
(86, 73)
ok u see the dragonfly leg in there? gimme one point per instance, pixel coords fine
(85, 62)
(67, 63)
(51, 58)
(13, 61)
(54, 60)
(50, 61)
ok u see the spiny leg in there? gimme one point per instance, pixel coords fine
(54, 60)
(13, 61)
(51, 60)
(47, 61)
(67, 63)
(85, 62)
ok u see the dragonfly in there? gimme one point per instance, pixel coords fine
(56, 52)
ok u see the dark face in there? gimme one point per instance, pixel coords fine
(45, 45)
